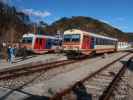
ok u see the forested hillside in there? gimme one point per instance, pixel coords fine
(12, 23)
(85, 23)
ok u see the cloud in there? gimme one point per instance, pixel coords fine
(36, 13)
(120, 19)
(105, 21)
(124, 27)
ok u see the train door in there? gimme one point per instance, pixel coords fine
(86, 42)
(39, 43)
(36, 46)
(48, 43)
(43, 43)
(93, 42)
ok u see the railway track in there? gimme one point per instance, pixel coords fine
(17, 72)
(21, 75)
(110, 90)
(96, 85)
(30, 69)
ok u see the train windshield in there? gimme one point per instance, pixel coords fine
(72, 38)
(27, 40)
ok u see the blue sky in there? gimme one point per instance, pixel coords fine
(118, 13)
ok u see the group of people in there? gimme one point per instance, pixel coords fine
(9, 52)
(12, 52)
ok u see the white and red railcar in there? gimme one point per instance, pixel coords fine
(86, 42)
(40, 43)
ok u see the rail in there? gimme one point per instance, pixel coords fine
(17, 72)
(109, 90)
(58, 96)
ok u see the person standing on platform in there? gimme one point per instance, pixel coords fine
(10, 54)
(0, 52)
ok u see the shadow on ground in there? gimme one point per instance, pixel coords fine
(130, 67)
(81, 93)
(36, 98)
(129, 64)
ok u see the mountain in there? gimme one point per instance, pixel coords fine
(85, 23)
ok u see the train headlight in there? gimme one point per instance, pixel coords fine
(76, 48)
(28, 49)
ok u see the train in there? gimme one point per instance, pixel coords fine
(40, 44)
(74, 42)
(82, 42)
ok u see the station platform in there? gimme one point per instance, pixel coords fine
(33, 60)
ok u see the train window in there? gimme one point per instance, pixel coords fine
(27, 40)
(106, 41)
(109, 42)
(98, 41)
(67, 38)
(101, 41)
(72, 38)
(75, 37)
(112, 42)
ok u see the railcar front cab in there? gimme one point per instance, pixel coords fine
(27, 41)
(71, 42)
(38, 43)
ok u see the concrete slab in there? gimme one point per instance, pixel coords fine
(7, 94)
(38, 59)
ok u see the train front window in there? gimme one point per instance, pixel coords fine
(72, 38)
(75, 38)
(67, 38)
(27, 40)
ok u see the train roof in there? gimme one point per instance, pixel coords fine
(37, 35)
(90, 33)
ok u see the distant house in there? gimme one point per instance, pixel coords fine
(130, 37)
(123, 43)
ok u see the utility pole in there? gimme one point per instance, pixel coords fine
(34, 28)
